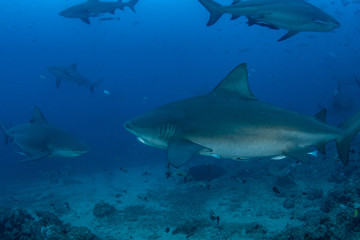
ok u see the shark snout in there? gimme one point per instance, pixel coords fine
(128, 126)
(336, 24)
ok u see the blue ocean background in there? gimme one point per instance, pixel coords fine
(162, 53)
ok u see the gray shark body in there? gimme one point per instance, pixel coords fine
(38, 139)
(93, 8)
(292, 15)
(230, 123)
(70, 74)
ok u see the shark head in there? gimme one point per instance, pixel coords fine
(56, 71)
(153, 128)
(324, 23)
(67, 13)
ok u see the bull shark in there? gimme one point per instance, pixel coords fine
(93, 8)
(229, 122)
(70, 74)
(292, 15)
(38, 139)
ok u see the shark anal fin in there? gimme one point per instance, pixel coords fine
(180, 151)
(289, 34)
(58, 81)
(85, 20)
(36, 156)
(321, 147)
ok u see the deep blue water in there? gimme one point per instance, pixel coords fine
(161, 53)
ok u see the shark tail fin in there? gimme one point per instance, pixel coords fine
(350, 127)
(215, 10)
(131, 4)
(4, 130)
(93, 85)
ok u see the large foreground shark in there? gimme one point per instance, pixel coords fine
(38, 139)
(293, 15)
(93, 8)
(70, 74)
(230, 122)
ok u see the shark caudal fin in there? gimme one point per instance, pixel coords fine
(93, 85)
(131, 4)
(215, 10)
(4, 130)
(350, 127)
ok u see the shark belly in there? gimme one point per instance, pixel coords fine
(260, 145)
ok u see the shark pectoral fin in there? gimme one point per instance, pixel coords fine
(351, 127)
(36, 156)
(4, 130)
(58, 81)
(85, 20)
(288, 35)
(180, 151)
(321, 147)
(299, 155)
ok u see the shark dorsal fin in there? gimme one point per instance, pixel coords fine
(236, 82)
(235, 2)
(321, 115)
(38, 117)
(73, 66)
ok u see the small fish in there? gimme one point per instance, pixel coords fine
(276, 190)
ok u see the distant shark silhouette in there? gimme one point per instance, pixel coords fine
(93, 8)
(70, 74)
(230, 122)
(38, 139)
(293, 15)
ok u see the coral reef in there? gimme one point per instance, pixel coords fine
(17, 224)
